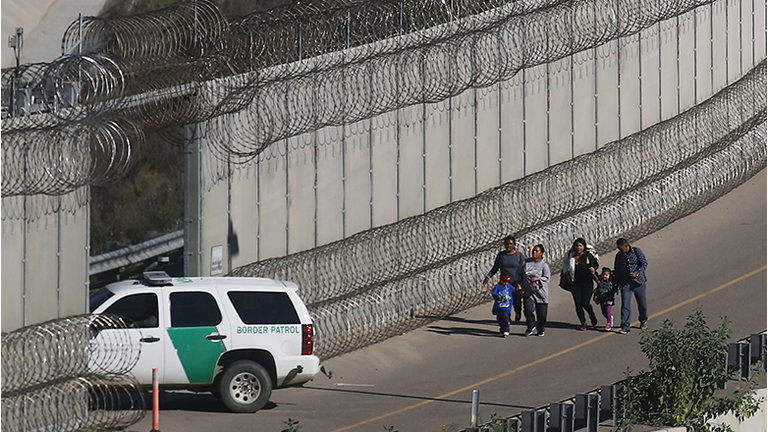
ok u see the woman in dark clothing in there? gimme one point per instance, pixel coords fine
(510, 262)
(579, 265)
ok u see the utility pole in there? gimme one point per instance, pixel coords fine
(16, 42)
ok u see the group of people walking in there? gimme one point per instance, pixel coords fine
(524, 285)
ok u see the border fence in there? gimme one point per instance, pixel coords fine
(592, 409)
(70, 374)
(392, 279)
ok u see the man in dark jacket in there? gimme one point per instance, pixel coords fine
(629, 275)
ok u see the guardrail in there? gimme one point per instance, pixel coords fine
(592, 409)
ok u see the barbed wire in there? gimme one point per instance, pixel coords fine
(642, 182)
(282, 73)
(66, 348)
(71, 374)
(87, 403)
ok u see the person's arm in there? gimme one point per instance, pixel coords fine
(520, 270)
(546, 274)
(616, 269)
(643, 263)
(494, 269)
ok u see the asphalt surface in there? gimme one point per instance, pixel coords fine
(714, 259)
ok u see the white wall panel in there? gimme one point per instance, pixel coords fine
(12, 273)
(512, 129)
(720, 45)
(650, 111)
(330, 164)
(687, 62)
(560, 111)
(301, 192)
(42, 245)
(583, 103)
(746, 18)
(244, 213)
(670, 83)
(734, 41)
(607, 93)
(703, 31)
(411, 161)
(760, 30)
(215, 226)
(437, 155)
(488, 164)
(629, 96)
(384, 153)
(74, 263)
(463, 145)
(536, 152)
(358, 183)
(272, 208)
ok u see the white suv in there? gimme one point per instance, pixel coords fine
(236, 337)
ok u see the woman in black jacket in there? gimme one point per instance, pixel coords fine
(579, 265)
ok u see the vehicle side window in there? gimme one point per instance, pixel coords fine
(139, 308)
(194, 309)
(264, 307)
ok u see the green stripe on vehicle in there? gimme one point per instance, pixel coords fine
(197, 354)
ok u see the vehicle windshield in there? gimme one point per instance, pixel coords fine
(98, 298)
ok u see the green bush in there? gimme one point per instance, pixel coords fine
(687, 367)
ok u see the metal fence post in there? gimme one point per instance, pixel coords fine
(745, 356)
(475, 407)
(560, 417)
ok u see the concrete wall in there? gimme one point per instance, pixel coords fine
(44, 260)
(327, 185)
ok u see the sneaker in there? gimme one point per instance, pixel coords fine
(608, 327)
(505, 334)
(540, 334)
(583, 327)
(643, 325)
(623, 331)
(529, 332)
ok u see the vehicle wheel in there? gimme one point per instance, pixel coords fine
(245, 387)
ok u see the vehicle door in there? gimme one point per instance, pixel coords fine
(142, 313)
(196, 342)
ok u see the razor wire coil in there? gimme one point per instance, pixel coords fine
(377, 274)
(275, 75)
(71, 374)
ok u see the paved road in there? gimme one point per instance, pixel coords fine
(714, 259)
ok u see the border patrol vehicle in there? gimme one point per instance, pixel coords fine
(235, 337)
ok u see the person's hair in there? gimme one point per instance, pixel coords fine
(577, 241)
(621, 242)
(508, 238)
(540, 246)
(606, 269)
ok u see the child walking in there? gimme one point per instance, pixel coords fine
(604, 295)
(502, 303)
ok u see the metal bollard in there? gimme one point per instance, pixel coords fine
(746, 357)
(155, 402)
(475, 407)
(533, 421)
(617, 390)
(560, 417)
(587, 411)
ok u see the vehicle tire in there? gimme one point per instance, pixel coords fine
(245, 386)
